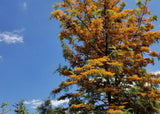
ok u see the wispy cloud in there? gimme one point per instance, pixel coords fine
(11, 37)
(1, 58)
(24, 5)
(19, 30)
(36, 102)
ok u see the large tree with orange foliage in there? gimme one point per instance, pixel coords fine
(107, 47)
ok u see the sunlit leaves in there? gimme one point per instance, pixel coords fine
(137, 11)
(105, 46)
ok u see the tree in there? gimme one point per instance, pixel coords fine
(46, 108)
(4, 108)
(107, 47)
(20, 108)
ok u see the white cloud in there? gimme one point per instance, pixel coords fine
(57, 103)
(157, 72)
(11, 37)
(36, 102)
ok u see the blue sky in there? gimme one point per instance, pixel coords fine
(30, 49)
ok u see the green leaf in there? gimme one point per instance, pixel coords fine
(55, 6)
(100, 10)
(139, 3)
(110, 12)
(158, 56)
(126, 111)
(142, 28)
(137, 11)
(50, 17)
(130, 18)
(134, 90)
(155, 18)
(73, 10)
(157, 104)
(143, 70)
(122, 5)
(140, 102)
(112, 47)
(152, 61)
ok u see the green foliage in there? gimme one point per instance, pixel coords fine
(156, 40)
(65, 53)
(110, 12)
(126, 111)
(98, 12)
(140, 102)
(139, 3)
(134, 90)
(101, 10)
(143, 70)
(155, 17)
(157, 104)
(142, 28)
(4, 108)
(61, 68)
(130, 18)
(158, 56)
(152, 61)
(74, 12)
(55, 6)
(117, 68)
(46, 108)
(20, 108)
(137, 11)
(122, 5)
(115, 52)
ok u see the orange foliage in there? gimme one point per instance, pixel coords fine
(106, 57)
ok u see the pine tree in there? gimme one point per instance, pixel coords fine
(20, 108)
(107, 47)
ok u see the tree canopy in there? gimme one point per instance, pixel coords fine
(108, 48)
(20, 108)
